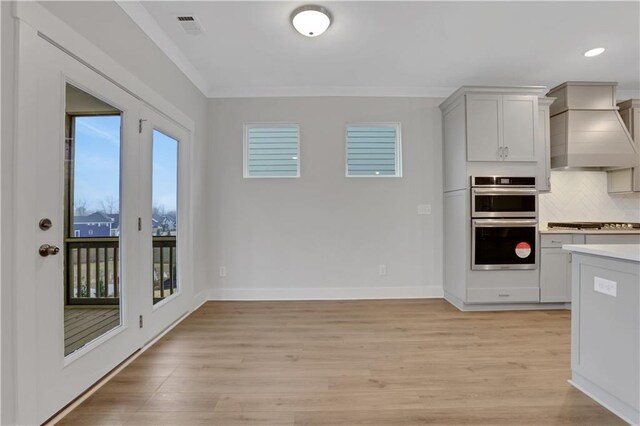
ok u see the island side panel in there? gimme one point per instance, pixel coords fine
(605, 345)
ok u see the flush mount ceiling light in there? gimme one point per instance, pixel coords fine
(311, 20)
(594, 52)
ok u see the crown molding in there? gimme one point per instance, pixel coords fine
(141, 17)
(300, 91)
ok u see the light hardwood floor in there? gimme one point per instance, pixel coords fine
(387, 362)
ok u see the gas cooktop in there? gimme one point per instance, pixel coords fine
(595, 226)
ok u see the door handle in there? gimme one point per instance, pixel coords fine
(48, 250)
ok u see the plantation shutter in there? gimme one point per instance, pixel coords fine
(372, 150)
(272, 151)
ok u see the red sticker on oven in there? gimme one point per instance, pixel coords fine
(523, 250)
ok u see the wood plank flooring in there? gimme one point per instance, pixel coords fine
(84, 324)
(387, 362)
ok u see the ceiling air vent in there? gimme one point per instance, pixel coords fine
(189, 24)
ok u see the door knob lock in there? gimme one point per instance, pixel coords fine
(45, 224)
(48, 250)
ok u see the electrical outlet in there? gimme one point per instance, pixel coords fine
(424, 209)
(382, 269)
(223, 271)
(605, 286)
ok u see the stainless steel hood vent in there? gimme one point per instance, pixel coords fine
(586, 130)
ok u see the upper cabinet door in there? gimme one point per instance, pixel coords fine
(520, 127)
(484, 135)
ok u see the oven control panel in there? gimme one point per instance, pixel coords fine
(503, 181)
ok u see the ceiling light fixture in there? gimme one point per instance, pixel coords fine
(594, 52)
(311, 20)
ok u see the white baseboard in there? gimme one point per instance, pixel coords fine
(326, 293)
(199, 299)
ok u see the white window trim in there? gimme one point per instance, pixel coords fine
(398, 127)
(245, 148)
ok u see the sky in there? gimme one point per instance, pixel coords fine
(97, 164)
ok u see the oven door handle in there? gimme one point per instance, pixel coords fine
(504, 222)
(504, 191)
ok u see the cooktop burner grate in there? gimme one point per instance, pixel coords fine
(622, 226)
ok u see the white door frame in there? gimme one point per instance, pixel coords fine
(160, 316)
(33, 22)
(40, 157)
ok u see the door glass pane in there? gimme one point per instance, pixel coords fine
(92, 219)
(164, 215)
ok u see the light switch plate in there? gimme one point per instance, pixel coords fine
(424, 209)
(605, 286)
(382, 270)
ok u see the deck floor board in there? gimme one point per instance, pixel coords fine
(84, 324)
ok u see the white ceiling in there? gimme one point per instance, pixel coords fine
(396, 48)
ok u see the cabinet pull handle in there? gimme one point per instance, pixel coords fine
(500, 151)
(506, 149)
(503, 294)
(556, 242)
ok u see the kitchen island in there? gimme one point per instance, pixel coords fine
(605, 325)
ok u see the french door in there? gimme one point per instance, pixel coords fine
(99, 268)
(165, 221)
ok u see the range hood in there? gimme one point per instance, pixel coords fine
(587, 131)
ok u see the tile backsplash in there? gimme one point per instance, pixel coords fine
(582, 196)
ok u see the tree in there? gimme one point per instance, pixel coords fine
(109, 205)
(159, 210)
(80, 207)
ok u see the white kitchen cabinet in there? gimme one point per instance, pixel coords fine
(627, 180)
(555, 263)
(484, 137)
(502, 127)
(555, 275)
(519, 127)
(492, 130)
(555, 266)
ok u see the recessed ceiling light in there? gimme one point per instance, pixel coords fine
(310, 20)
(594, 52)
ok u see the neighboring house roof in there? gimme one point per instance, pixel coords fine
(115, 217)
(164, 220)
(96, 217)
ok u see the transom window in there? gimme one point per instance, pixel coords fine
(374, 150)
(271, 150)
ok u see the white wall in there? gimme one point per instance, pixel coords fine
(582, 196)
(324, 235)
(6, 155)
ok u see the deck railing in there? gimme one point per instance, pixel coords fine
(164, 267)
(92, 274)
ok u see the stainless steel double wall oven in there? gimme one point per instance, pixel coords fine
(504, 223)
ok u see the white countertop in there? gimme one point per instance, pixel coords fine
(616, 251)
(587, 231)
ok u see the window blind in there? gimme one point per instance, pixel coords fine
(272, 151)
(372, 150)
